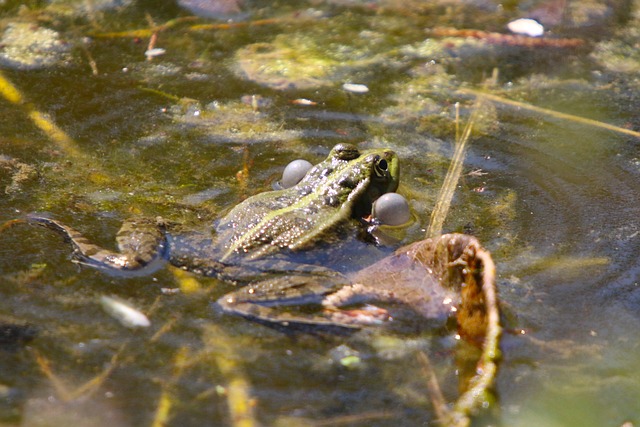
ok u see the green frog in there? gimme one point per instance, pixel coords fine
(259, 241)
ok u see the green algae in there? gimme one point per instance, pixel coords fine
(24, 47)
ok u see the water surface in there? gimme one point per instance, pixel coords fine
(189, 134)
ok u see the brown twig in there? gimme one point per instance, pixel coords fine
(507, 39)
(435, 393)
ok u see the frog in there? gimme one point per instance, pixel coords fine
(257, 243)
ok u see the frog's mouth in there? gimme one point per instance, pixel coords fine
(362, 209)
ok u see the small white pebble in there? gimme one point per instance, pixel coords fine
(526, 27)
(155, 52)
(355, 88)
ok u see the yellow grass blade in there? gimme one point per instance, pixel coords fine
(552, 113)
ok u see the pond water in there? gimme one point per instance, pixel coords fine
(189, 131)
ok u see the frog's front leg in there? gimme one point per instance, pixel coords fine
(266, 300)
(141, 243)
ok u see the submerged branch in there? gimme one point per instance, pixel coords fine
(83, 391)
(509, 39)
(166, 401)
(223, 351)
(435, 393)
(57, 135)
(243, 24)
(153, 29)
(552, 113)
(146, 32)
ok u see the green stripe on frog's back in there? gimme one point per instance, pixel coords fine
(294, 227)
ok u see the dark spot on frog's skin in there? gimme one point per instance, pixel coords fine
(305, 191)
(327, 172)
(332, 201)
(347, 182)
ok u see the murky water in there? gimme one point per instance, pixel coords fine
(189, 134)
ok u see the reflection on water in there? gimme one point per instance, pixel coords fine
(554, 200)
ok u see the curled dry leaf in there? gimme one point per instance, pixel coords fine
(452, 275)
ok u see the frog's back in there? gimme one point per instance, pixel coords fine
(278, 220)
(331, 194)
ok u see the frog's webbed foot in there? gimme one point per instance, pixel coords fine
(267, 301)
(141, 242)
(358, 317)
(358, 293)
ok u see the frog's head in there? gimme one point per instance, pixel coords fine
(352, 179)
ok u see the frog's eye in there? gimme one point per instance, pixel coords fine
(380, 167)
